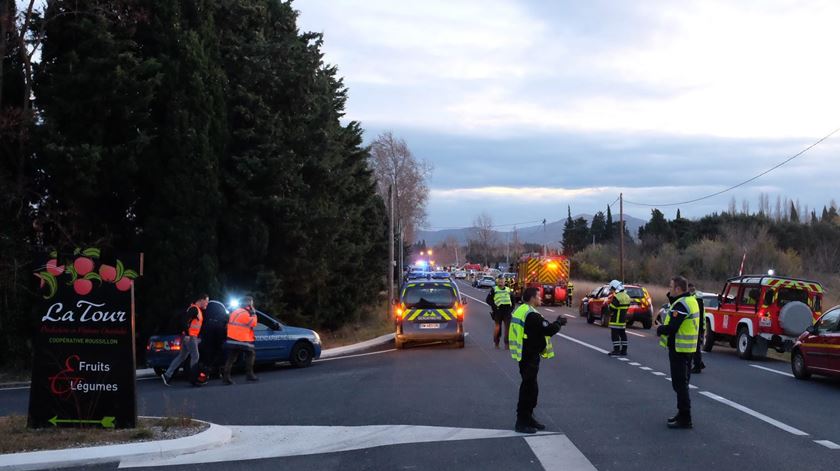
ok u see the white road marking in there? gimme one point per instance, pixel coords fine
(783, 373)
(635, 364)
(691, 386)
(16, 387)
(658, 373)
(593, 347)
(623, 359)
(549, 310)
(757, 415)
(570, 315)
(557, 452)
(634, 333)
(828, 444)
(274, 441)
(645, 368)
(354, 356)
(482, 302)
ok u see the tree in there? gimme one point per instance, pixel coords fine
(17, 241)
(485, 236)
(611, 226)
(794, 214)
(393, 163)
(599, 227)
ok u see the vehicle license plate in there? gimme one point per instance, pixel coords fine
(547, 296)
(430, 326)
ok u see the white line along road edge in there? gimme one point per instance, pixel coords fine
(757, 415)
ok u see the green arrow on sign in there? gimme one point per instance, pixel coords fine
(107, 422)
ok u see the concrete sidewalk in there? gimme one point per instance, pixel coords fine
(213, 437)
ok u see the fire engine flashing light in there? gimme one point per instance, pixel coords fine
(771, 272)
(234, 302)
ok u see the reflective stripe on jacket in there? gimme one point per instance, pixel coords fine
(195, 324)
(501, 296)
(241, 325)
(517, 335)
(685, 340)
(618, 309)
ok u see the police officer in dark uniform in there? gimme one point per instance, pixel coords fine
(500, 300)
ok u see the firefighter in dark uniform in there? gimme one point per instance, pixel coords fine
(697, 364)
(500, 300)
(530, 339)
(618, 318)
(678, 334)
(570, 290)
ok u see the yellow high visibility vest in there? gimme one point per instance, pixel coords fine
(620, 319)
(517, 336)
(501, 296)
(686, 339)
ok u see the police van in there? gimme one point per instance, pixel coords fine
(428, 311)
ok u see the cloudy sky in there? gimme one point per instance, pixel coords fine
(525, 107)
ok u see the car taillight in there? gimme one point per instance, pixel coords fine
(460, 311)
(173, 345)
(398, 312)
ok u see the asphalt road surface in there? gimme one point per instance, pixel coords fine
(435, 407)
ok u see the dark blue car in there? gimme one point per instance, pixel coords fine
(274, 342)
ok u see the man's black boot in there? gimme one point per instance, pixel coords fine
(523, 426)
(614, 353)
(682, 421)
(536, 424)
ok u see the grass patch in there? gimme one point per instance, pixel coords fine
(374, 322)
(15, 437)
(14, 375)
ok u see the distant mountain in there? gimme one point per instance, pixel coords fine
(553, 233)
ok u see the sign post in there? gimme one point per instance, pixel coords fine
(83, 373)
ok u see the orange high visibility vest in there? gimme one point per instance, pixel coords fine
(241, 325)
(195, 324)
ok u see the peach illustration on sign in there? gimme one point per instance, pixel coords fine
(83, 272)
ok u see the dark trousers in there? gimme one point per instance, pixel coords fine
(529, 368)
(233, 352)
(619, 339)
(501, 318)
(680, 376)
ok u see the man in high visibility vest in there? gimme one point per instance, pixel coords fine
(678, 334)
(530, 339)
(240, 339)
(190, 328)
(618, 306)
(500, 300)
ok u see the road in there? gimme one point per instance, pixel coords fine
(434, 406)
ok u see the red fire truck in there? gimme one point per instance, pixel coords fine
(549, 274)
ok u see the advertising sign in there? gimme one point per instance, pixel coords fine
(83, 373)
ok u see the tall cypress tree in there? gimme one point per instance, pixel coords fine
(182, 207)
(94, 89)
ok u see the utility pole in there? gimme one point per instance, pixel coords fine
(545, 241)
(390, 246)
(457, 264)
(621, 236)
(400, 262)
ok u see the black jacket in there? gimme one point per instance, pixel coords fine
(680, 310)
(537, 329)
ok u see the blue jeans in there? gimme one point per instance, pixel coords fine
(189, 347)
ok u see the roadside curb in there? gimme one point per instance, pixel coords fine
(357, 347)
(214, 436)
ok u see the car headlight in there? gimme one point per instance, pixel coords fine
(317, 338)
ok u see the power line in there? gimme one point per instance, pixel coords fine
(439, 228)
(803, 151)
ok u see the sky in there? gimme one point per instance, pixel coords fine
(526, 107)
